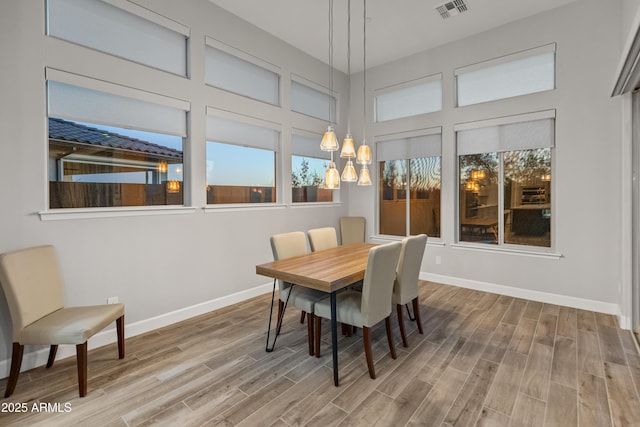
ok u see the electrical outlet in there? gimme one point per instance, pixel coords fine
(112, 300)
(438, 260)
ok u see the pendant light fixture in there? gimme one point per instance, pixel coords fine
(363, 157)
(348, 148)
(329, 141)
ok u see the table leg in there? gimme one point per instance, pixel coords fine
(334, 338)
(279, 321)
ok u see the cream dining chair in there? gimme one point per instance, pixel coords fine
(365, 309)
(322, 238)
(33, 286)
(405, 288)
(352, 229)
(287, 245)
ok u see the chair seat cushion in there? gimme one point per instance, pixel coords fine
(348, 308)
(302, 298)
(70, 325)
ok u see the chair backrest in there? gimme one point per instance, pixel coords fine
(405, 288)
(377, 286)
(32, 284)
(287, 245)
(322, 238)
(352, 229)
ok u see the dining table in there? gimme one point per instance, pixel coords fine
(329, 271)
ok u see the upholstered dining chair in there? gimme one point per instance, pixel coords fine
(287, 245)
(352, 229)
(405, 288)
(365, 309)
(34, 289)
(322, 238)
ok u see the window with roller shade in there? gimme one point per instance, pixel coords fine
(505, 180)
(241, 160)
(308, 165)
(112, 146)
(409, 183)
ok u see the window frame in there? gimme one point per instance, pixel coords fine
(212, 112)
(401, 87)
(103, 91)
(501, 245)
(115, 49)
(249, 59)
(333, 111)
(504, 60)
(403, 138)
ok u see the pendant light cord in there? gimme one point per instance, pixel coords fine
(331, 62)
(364, 73)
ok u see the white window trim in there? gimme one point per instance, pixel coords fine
(245, 56)
(150, 16)
(548, 48)
(86, 213)
(407, 84)
(115, 89)
(316, 86)
(506, 120)
(510, 248)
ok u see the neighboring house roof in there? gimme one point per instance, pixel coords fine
(73, 132)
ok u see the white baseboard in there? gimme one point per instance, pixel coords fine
(39, 357)
(546, 297)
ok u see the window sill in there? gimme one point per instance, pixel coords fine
(510, 251)
(87, 213)
(431, 241)
(243, 207)
(314, 204)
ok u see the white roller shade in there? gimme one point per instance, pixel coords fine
(110, 29)
(413, 147)
(409, 101)
(307, 146)
(513, 75)
(238, 133)
(82, 104)
(311, 102)
(236, 75)
(508, 137)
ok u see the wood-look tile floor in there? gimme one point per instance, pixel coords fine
(484, 359)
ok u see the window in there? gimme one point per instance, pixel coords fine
(409, 99)
(136, 34)
(231, 72)
(505, 180)
(409, 184)
(308, 164)
(241, 161)
(311, 101)
(111, 146)
(513, 75)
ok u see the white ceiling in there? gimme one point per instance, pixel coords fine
(395, 29)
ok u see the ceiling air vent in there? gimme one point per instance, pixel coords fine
(451, 8)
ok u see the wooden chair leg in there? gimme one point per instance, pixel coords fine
(81, 356)
(366, 340)
(392, 349)
(310, 325)
(302, 317)
(16, 361)
(416, 313)
(317, 333)
(52, 355)
(120, 331)
(403, 334)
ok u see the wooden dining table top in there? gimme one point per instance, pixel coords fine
(327, 271)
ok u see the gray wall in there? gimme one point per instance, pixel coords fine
(155, 264)
(587, 158)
